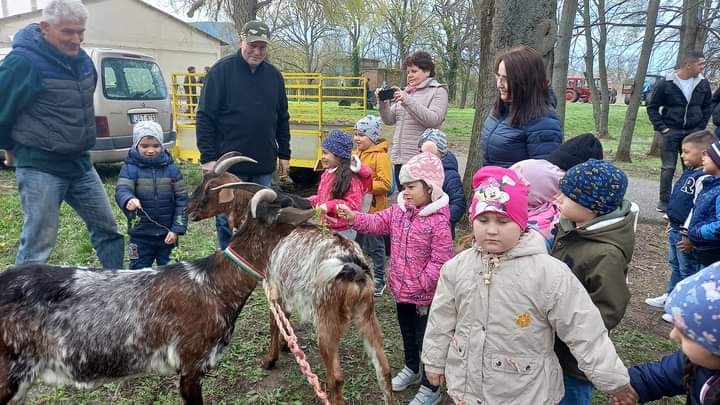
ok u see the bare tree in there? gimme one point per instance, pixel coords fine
(513, 22)
(456, 27)
(240, 11)
(590, 65)
(623, 151)
(604, 118)
(562, 54)
(404, 19)
(302, 27)
(355, 21)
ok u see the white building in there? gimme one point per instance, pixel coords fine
(137, 26)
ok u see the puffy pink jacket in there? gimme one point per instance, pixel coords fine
(420, 243)
(352, 198)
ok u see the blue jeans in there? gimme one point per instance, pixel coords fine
(40, 197)
(682, 265)
(224, 233)
(374, 246)
(142, 252)
(577, 392)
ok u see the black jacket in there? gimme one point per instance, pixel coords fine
(245, 112)
(668, 107)
(716, 108)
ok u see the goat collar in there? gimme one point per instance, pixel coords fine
(244, 264)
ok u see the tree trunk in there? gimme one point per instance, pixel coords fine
(465, 86)
(602, 68)
(623, 152)
(244, 11)
(4, 8)
(562, 55)
(689, 29)
(513, 22)
(655, 145)
(590, 66)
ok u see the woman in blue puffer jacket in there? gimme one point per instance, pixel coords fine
(523, 124)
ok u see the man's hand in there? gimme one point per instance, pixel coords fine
(627, 396)
(171, 238)
(133, 204)
(9, 158)
(283, 167)
(208, 167)
(685, 245)
(435, 379)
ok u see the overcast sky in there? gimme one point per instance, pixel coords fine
(21, 6)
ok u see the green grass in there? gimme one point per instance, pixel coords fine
(239, 378)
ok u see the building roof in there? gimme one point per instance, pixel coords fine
(222, 30)
(38, 13)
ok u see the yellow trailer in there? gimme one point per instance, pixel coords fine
(317, 104)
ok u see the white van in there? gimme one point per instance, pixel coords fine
(130, 89)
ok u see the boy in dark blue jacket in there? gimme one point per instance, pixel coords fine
(151, 192)
(704, 227)
(452, 186)
(683, 262)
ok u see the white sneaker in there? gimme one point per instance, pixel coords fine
(425, 396)
(657, 302)
(405, 378)
(667, 318)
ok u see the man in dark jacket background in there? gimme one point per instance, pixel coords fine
(243, 108)
(680, 105)
(47, 127)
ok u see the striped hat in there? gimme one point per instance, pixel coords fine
(714, 152)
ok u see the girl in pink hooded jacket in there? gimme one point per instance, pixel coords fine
(419, 229)
(344, 181)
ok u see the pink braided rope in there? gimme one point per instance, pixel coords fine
(288, 334)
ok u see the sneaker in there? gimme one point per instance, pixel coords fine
(425, 396)
(667, 318)
(661, 207)
(379, 290)
(405, 378)
(657, 302)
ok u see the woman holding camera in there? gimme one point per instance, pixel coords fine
(523, 124)
(419, 106)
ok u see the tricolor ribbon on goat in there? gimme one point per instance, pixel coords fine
(244, 264)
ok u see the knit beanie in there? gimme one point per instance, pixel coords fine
(370, 127)
(499, 190)
(596, 185)
(147, 128)
(713, 152)
(693, 305)
(339, 144)
(425, 166)
(575, 151)
(437, 137)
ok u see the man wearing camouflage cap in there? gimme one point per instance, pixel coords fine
(243, 107)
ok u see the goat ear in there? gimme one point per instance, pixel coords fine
(294, 216)
(225, 195)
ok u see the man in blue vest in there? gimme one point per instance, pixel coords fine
(47, 128)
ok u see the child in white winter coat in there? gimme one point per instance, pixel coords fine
(499, 304)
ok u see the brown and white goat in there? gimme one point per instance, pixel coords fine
(70, 325)
(322, 278)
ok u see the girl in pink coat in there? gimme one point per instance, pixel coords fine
(419, 229)
(343, 181)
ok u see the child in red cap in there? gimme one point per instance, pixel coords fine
(499, 304)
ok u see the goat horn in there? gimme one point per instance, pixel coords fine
(226, 161)
(265, 194)
(237, 184)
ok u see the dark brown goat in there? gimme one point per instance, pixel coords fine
(70, 325)
(324, 279)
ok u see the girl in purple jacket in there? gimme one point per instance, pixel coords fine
(419, 229)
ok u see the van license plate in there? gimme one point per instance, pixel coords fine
(135, 118)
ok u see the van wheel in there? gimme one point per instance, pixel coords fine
(304, 176)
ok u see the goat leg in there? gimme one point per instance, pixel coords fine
(330, 331)
(272, 354)
(191, 387)
(369, 328)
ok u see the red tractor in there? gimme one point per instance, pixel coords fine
(578, 90)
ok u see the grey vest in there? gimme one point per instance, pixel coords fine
(61, 119)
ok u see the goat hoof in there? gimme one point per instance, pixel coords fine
(268, 364)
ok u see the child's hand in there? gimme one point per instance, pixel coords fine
(435, 379)
(323, 208)
(133, 204)
(171, 238)
(344, 212)
(627, 396)
(685, 245)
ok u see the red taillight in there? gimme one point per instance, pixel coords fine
(101, 127)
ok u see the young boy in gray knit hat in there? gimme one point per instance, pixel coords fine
(151, 192)
(595, 238)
